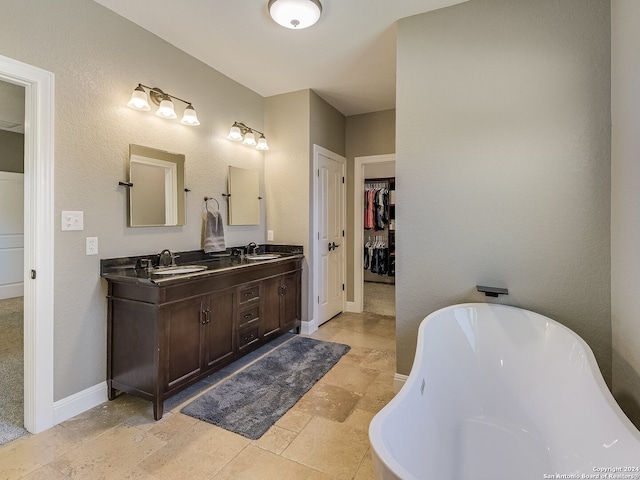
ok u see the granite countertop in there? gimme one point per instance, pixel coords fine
(129, 269)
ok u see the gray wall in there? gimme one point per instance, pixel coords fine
(625, 199)
(11, 152)
(296, 121)
(503, 157)
(367, 134)
(98, 58)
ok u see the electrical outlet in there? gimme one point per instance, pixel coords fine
(72, 220)
(92, 245)
(270, 235)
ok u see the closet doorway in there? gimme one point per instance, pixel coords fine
(374, 238)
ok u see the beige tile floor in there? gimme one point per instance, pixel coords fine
(324, 436)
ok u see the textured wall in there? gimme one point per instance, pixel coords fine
(287, 175)
(503, 157)
(625, 198)
(367, 134)
(296, 121)
(98, 58)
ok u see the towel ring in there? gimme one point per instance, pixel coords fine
(211, 198)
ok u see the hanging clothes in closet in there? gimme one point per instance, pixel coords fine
(376, 255)
(376, 206)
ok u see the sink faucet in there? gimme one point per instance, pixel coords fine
(251, 248)
(167, 258)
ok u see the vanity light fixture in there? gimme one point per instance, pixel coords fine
(241, 133)
(140, 101)
(295, 14)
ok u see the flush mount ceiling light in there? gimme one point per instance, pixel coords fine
(241, 133)
(140, 101)
(295, 14)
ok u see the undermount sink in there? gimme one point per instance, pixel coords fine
(179, 269)
(262, 256)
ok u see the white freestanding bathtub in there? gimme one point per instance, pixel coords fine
(502, 393)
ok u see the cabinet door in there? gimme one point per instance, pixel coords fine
(270, 308)
(183, 330)
(218, 344)
(290, 301)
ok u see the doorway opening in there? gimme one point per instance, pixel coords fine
(12, 100)
(374, 234)
(38, 211)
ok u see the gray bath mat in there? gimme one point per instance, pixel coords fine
(249, 402)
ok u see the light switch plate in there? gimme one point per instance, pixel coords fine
(72, 220)
(270, 235)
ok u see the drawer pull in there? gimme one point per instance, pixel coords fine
(248, 316)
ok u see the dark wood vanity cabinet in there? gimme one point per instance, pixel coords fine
(199, 335)
(163, 338)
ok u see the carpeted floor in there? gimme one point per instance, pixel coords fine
(380, 298)
(11, 370)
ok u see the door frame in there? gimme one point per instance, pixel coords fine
(317, 150)
(358, 234)
(38, 235)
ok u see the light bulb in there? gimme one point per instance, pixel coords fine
(249, 138)
(190, 117)
(262, 143)
(139, 100)
(235, 134)
(166, 110)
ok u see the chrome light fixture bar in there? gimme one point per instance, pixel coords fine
(140, 101)
(295, 14)
(241, 133)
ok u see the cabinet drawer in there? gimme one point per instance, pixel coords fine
(249, 293)
(248, 337)
(248, 315)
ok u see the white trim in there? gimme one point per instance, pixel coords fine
(317, 150)
(352, 307)
(79, 402)
(11, 290)
(307, 328)
(398, 381)
(358, 238)
(38, 231)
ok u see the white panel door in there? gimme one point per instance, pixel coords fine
(331, 249)
(11, 234)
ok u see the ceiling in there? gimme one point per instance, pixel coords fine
(348, 57)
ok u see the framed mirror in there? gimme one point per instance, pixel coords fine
(244, 197)
(157, 197)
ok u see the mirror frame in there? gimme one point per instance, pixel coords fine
(244, 196)
(174, 182)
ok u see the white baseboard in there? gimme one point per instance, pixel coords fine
(79, 402)
(353, 307)
(398, 381)
(12, 290)
(307, 328)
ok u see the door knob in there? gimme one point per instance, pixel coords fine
(333, 245)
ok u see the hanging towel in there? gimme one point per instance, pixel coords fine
(213, 231)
